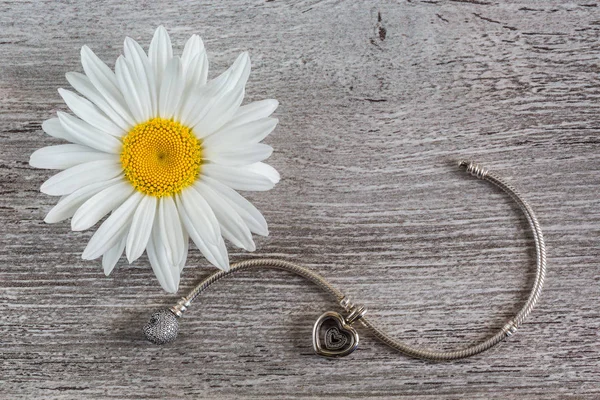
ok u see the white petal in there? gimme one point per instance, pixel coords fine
(69, 180)
(97, 71)
(133, 92)
(251, 216)
(192, 99)
(195, 62)
(219, 95)
(171, 89)
(219, 112)
(141, 228)
(186, 247)
(54, 128)
(265, 170)
(111, 230)
(155, 263)
(100, 204)
(215, 254)
(253, 112)
(251, 132)
(166, 273)
(112, 255)
(195, 107)
(238, 156)
(217, 85)
(239, 178)
(246, 132)
(237, 75)
(64, 156)
(160, 52)
(170, 231)
(140, 66)
(196, 71)
(88, 112)
(83, 85)
(105, 82)
(89, 136)
(68, 205)
(200, 214)
(232, 225)
(193, 47)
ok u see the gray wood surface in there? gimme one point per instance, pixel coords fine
(378, 101)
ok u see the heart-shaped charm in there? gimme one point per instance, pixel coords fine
(333, 336)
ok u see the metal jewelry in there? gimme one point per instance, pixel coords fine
(333, 333)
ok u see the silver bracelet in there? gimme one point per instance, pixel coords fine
(333, 333)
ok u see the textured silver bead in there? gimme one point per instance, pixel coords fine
(162, 327)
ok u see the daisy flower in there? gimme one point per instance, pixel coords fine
(162, 152)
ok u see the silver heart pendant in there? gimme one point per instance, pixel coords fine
(333, 335)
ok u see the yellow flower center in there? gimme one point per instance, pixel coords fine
(161, 157)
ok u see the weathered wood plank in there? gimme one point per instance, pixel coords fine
(374, 112)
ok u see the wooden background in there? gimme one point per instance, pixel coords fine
(378, 101)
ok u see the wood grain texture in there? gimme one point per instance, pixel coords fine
(378, 100)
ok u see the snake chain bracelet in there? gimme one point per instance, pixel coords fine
(333, 333)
